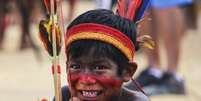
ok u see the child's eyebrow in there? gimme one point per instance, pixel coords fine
(101, 61)
(94, 61)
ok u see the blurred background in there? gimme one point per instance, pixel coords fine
(25, 67)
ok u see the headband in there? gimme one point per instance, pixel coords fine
(102, 33)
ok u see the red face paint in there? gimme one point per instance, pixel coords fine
(103, 80)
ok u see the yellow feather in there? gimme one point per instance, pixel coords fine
(146, 42)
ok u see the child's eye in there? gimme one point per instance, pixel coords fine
(75, 67)
(100, 67)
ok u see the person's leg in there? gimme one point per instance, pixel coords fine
(154, 55)
(25, 11)
(2, 26)
(162, 29)
(172, 36)
(170, 26)
(167, 26)
(24, 25)
(152, 73)
(3, 20)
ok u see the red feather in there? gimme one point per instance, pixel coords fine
(132, 8)
(121, 7)
(128, 8)
(47, 6)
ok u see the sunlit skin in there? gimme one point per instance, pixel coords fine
(94, 78)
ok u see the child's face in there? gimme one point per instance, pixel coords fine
(93, 78)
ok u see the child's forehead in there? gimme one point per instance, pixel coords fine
(92, 52)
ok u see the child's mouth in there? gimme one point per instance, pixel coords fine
(90, 93)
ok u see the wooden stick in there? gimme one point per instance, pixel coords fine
(55, 59)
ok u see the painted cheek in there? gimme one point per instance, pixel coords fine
(73, 78)
(71, 83)
(109, 81)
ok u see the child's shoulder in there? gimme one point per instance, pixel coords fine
(65, 93)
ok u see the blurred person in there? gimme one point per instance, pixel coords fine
(26, 8)
(166, 27)
(103, 4)
(4, 4)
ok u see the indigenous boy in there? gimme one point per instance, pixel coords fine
(98, 60)
(100, 48)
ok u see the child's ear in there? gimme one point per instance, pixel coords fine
(129, 71)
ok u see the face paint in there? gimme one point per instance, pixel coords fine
(92, 79)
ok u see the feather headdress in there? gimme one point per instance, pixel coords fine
(132, 9)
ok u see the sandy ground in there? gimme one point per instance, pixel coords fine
(25, 78)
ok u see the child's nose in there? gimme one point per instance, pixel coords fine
(87, 80)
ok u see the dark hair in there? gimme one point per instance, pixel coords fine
(107, 18)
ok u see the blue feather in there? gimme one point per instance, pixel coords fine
(140, 12)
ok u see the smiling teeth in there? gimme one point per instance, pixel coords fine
(89, 93)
